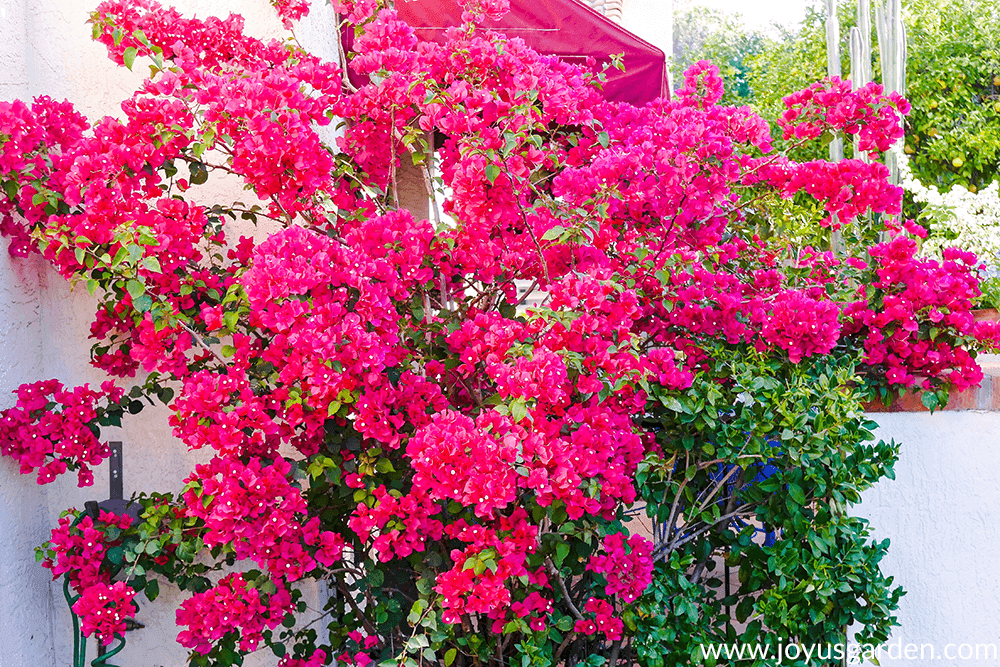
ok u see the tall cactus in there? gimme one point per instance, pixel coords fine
(860, 40)
(832, 70)
(891, 36)
(892, 51)
(833, 66)
(861, 46)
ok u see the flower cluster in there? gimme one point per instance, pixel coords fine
(78, 545)
(103, 608)
(290, 11)
(831, 105)
(480, 580)
(802, 326)
(234, 605)
(626, 564)
(412, 523)
(848, 188)
(317, 659)
(253, 510)
(535, 607)
(53, 429)
(919, 299)
(453, 458)
(604, 620)
(702, 85)
(477, 10)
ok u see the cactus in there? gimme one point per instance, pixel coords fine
(861, 46)
(833, 69)
(892, 54)
(833, 66)
(860, 40)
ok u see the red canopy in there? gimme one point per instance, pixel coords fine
(565, 28)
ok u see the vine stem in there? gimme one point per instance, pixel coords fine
(562, 587)
(201, 342)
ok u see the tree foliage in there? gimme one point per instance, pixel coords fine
(952, 82)
(705, 33)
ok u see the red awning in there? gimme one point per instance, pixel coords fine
(565, 28)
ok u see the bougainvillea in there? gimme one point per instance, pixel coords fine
(54, 429)
(453, 421)
(103, 609)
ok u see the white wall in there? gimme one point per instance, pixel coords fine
(942, 515)
(25, 624)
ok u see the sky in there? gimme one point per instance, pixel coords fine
(759, 13)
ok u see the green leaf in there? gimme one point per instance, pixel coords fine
(553, 233)
(449, 657)
(116, 555)
(152, 264)
(562, 550)
(152, 589)
(143, 304)
(492, 171)
(795, 491)
(199, 173)
(604, 139)
(425, 585)
(166, 395)
(416, 611)
(135, 288)
(518, 410)
(129, 56)
(672, 403)
(929, 399)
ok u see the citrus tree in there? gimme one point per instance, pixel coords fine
(952, 83)
(386, 413)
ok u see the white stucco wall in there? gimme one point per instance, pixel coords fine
(942, 515)
(25, 623)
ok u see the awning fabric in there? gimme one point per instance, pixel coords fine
(565, 28)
